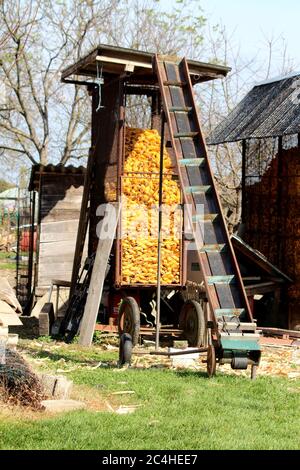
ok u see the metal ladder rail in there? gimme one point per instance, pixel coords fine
(189, 196)
(221, 219)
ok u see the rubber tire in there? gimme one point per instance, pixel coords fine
(211, 361)
(239, 363)
(133, 327)
(125, 349)
(194, 327)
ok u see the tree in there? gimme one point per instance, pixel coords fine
(43, 120)
(221, 96)
(4, 185)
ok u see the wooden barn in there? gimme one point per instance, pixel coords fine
(267, 123)
(56, 194)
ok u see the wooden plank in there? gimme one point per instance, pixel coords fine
(97, 279)
(9, 319)
(59, 237)
(45, 283)
(56, 268)
(55, 215)
(8, 295)
(57, 248)
(59, 226)
(83, 220)
(125, 62)
(57, 271)
(279, 332)
(59, 204)
(56, 265)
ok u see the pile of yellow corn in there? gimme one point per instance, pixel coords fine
(140, 219)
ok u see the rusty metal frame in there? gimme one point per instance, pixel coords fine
(120, 176)
(213, 301)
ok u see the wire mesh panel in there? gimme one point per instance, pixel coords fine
(25, 247)
(272, 209)
(260, 198)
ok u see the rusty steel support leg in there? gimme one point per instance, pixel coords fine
(244, 154)
(160, 200)
(253, 371)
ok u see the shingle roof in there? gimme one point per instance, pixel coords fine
(270, 109)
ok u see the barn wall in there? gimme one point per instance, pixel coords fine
(272, 219)
(59, 208)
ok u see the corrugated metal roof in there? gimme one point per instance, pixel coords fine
(271, 109)
(39, 169)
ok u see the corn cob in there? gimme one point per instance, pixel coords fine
(139, 246)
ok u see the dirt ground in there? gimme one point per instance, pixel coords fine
(279, 358)
(276, 360)
(10, 274)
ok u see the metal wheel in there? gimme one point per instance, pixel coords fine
(129, 319)
(192, 322)
(211, 360)
(125, 349)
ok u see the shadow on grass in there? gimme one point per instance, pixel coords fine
(188, 373)
(70, 358)
(185, 374)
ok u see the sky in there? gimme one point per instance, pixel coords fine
(253, 22)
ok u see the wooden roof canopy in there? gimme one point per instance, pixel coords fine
(137, 65)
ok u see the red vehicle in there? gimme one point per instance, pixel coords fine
(25, 241)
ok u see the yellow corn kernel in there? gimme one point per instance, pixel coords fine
(139, 253)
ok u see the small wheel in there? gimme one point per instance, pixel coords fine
(253, 371)
(192, 322)
(239, 363)
(129, 319)
(125, 349)
(211, 360)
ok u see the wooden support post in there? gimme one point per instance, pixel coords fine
(155, 112)
(244, 154)
(98, 276)
(31, 248)
(279, 202)
(83, 222)
(160, 208)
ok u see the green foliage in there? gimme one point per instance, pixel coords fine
(6, 262)
(9, 266)
(98, 337)
(45, 339)
(101, 338)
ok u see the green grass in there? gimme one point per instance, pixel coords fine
(180, 409)
(6, 262)
(11, 266)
